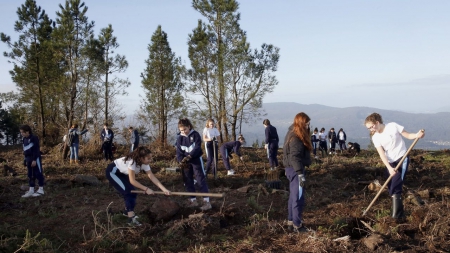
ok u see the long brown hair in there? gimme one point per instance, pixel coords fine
(137, 154)
(301, 130)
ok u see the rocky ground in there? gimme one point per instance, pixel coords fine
(80, 212)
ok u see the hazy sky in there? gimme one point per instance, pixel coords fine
(386, 54)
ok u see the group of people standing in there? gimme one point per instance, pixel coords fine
(319, 140)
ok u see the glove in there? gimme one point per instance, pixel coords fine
(301, 180)
(183, 166)
(242, 158)
(186, 159)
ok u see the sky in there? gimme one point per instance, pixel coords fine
(385, 54)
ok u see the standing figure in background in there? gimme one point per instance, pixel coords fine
(389, 143)
(333, 140)
(134, 138)
(227, 149)
(74, 142)
(323, 142)
(271, 144)
(32, 153)
(296, 158)
(342, 138)
(315, 141)
(107, 137)
(189, 155)
(210, 136)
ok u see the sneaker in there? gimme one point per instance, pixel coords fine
(290, 223)
(230, 172)
(28, 194)
(39, 193)
(133, 221)
(192, 203)
(300, 229)
(124, 213)
(206, 206)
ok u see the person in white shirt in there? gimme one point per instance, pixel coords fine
(389, 143)
(210, 135)
(122, 175)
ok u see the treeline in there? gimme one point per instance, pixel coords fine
(66, 74)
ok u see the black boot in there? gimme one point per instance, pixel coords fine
(397, 208)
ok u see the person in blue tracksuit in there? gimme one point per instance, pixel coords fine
(189, 155)
(32, 153)
(74, 141)
(210, 136)
(315, 141)
(122, 172)
(231, 147)
(107, 136)
(271, 143)
(134, 138)
(296, 157)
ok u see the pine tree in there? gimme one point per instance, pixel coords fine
(162, 85)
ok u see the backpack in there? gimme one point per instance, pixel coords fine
(71, 138)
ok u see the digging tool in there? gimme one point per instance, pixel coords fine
(215, 158)
(200, 194)
(390, 177)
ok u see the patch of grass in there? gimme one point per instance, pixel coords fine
(251, 201)
(382, 213)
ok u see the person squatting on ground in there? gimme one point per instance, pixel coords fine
(333, 140)
(74, 142)
(189, 155)
(342, 138)
(390, 145)
(210, 135)
(134, 138)
(315, 141)
(122, 175)
(354, 147)
(323, 141)
(271, 144)
(296, 157)
(227, 149)
(107, 137)
(32, 153)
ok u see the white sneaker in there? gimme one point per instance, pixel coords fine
(206, 206)
(38, 193)
(134, 222)
(230, 172)
(28, 194)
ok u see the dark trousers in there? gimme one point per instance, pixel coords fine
(35, 172)
(332, 146)
(210, 158)
(323, 146)
(195, 170)
(225, 158)
(121, 183)
(396, 183)
(315, 146)
(342, 145)
(296, 200)
(272, 151)
(107, 150)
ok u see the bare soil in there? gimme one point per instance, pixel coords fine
(74, 217)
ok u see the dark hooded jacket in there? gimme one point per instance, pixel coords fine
(295, 154)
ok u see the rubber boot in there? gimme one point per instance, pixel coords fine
(71, 161)
(77, 162)
(397, 208)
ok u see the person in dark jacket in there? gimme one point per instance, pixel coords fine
(189, 155)
(296, 157)
(354, 147)
(107, 137)
(315, 141)
(32, 153)
(342, 138)
(333, 140)
(74, 141)
(229, 148)
(134, 138)
(271, 144)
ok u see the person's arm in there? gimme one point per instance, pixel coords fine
(36, 150)
(296, 150)
(157, 182)
(412, 136)
(196, 152)
(237, 148)
(135, 183)
(383, 157)
(112, 135)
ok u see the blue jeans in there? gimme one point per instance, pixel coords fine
(74, 151)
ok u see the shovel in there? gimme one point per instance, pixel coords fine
(390, 177)
(201, 194)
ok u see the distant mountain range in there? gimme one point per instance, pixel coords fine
(351, 119)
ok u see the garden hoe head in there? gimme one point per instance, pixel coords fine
(273, 179)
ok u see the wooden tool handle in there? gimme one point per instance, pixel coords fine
(200, 194)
